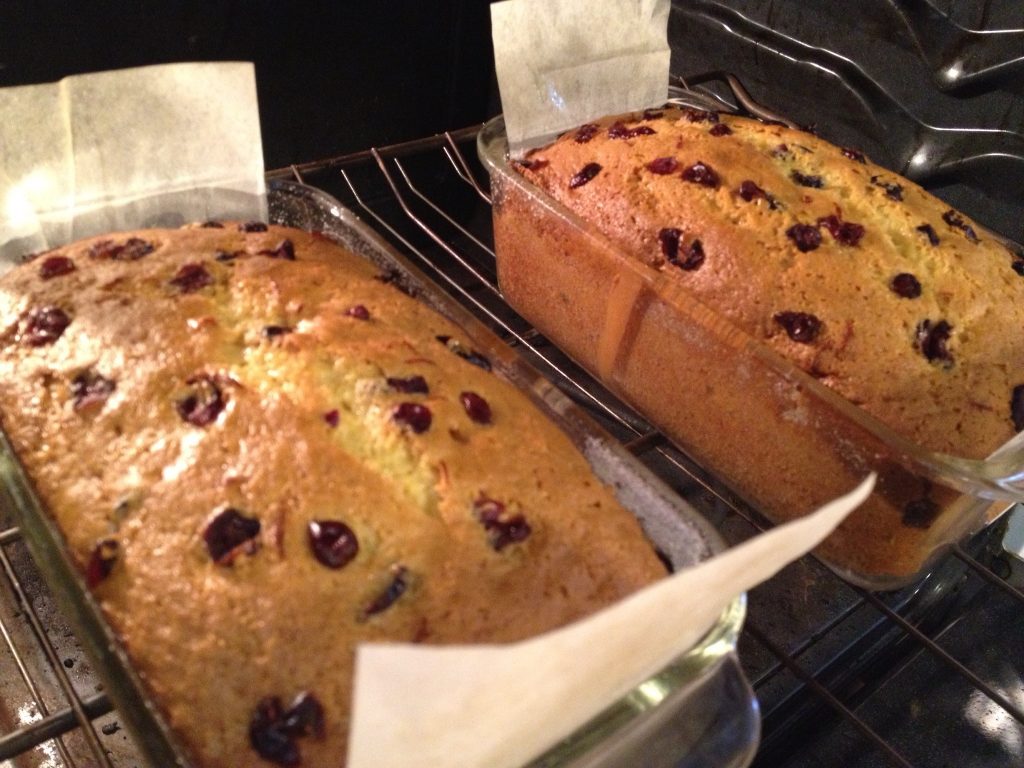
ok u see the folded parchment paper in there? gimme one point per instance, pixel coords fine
(563, 63)
(153, 146)
(500, 706)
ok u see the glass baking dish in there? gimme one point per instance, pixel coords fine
(778, 438)
(698, 712)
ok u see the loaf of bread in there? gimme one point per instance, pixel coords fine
(877, 289)
(261, 453)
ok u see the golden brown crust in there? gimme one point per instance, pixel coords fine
(253, 382)
(757, 221)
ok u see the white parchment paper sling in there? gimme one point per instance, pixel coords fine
(152, 146)
(500, 706)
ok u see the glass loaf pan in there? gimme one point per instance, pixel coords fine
(780, 440)
(698, 712)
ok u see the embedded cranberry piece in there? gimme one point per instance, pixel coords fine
(359, 312)
(929, 231)
(132, 249)
(669, 239)
(920, 513)
(534, 164)
(55, 266)
(855, 154)
(585, 133)
(932, 338)
(700, 116)
(191, 278)
(502, 528)
(814, 182)
(781, 151)
(652, 114)
(395, 589)
(305, 717)
(414, 416)
(229, 534)
(271, 331)
(954, 219)
(211, 225)
(89, 388)
(805, 236)
(332, 418)
(478, 409)
(1017, 265)
(586, 173)
(101, 562)
(721, 129)
(283, 250)
(906, 285)
(334, 544)
(227, 255)
(268, 735)
(845, 232)
(703, 174)
(45, 326)
(412, 384)
(801, 327)
(1017, 407)
(203, 404)
(749, 191)
(892, 191)
(663, 165)
(620, 131)
(469, 355)
(253, 226)
(692, 257)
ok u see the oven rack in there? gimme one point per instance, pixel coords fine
(844, 676)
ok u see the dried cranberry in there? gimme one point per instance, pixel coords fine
(44, 326)
(929, 231)
(305, 717)
(101, 562)
(132, 249)
(502, 528)
(227, 255)
(703, 174)
(855, 154)
(700, 116)
(283, 250)
(89, 388)
(359, 312)
(845, 232)
(533, 164)
(211, 225)
(55, 266)
(932, 338)
(229, 534)
(268, 735)
(920, 513)
(585, 133)
(252, 226)
(781, 151)
(721, 129)
(272, 331)
(807, 237)
(334, 544)
(191, 278)
(415, 416)
(412, 384)
(478, 409)
(469, 355)
(906, 286)
(1017, 407)
(332, 418)
(1017, 265)
(585, 174)
(801, 327)
(652, 114)
(954, 219)
(620, 131)
(692, 258)
(892, 191)
(394, 590)
(204, 403)
(814, 182)
(663, 165)
(669, 240)
(749, 191)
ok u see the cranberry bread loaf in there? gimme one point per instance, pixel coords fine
(261, 454)
(868, 283)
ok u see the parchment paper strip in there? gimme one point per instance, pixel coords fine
(500, 706)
